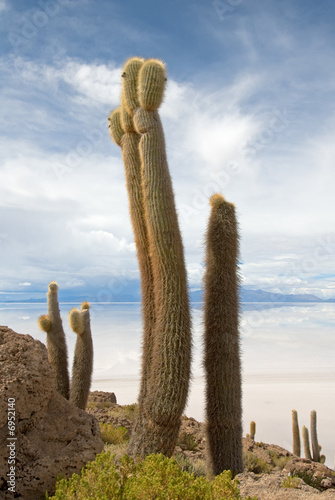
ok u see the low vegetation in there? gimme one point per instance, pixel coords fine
(113, 435)
(156, 477)
(291, 482)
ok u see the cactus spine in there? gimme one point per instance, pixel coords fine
(305, 440)
(222, 351)
(51, 323)
(296, 435)
(314, 438)
(167, 341)
(83, 356)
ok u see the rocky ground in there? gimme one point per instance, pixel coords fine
(267, 466)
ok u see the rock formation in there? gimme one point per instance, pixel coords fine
(53, 437)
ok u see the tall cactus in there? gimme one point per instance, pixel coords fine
(83, 356)
(314, 438)
(222, 350)
(163, 395)
(296, 434)
(51, 323)
(123, 133)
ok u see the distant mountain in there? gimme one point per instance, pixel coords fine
(130, 292)
(263, 296)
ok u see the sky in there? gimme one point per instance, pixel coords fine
(249, 112)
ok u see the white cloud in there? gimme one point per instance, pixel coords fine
(67, 205)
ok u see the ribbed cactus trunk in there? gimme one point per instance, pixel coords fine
(166, 340)
(56, 342)
(171, 355)
(305, 440)
(222, 349)
(296, 434)
(314, 438)
(83, 356)
(123, 133)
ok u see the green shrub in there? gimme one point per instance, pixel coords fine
(156, 477)
(187, 441)
(290, 482)
(126, 411)
(113, 435)
(252, 463)
(196, 467)
(310, 479)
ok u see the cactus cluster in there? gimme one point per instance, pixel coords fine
(316, 448)
(166, 350)
(51, 323)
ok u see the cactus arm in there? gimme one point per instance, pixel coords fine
(83, 356)
(56, 342)
(305, 440)
(296, 435)
(222, 356)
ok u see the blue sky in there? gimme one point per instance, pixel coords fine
(249, 112)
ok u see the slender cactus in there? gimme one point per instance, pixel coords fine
(171, 354)
(83, 356)
(296, 436)
(305, 440)
(167, 340)
(252, 429)
(314, 438)
(222, 350)
(123, 133)
(51, 323)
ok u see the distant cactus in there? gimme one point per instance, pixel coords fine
(314, 438)
(252, 429)
(51, 323)
(305, 440)
(296, 435)
(83, 356)
(222, 349)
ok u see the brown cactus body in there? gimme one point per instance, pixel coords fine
(222, 351)
(83, 356)
(56, 343)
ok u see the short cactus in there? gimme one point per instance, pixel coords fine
(252, 429)
(222, 349)
(56, 343)
(83, 356)
(296, 435)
